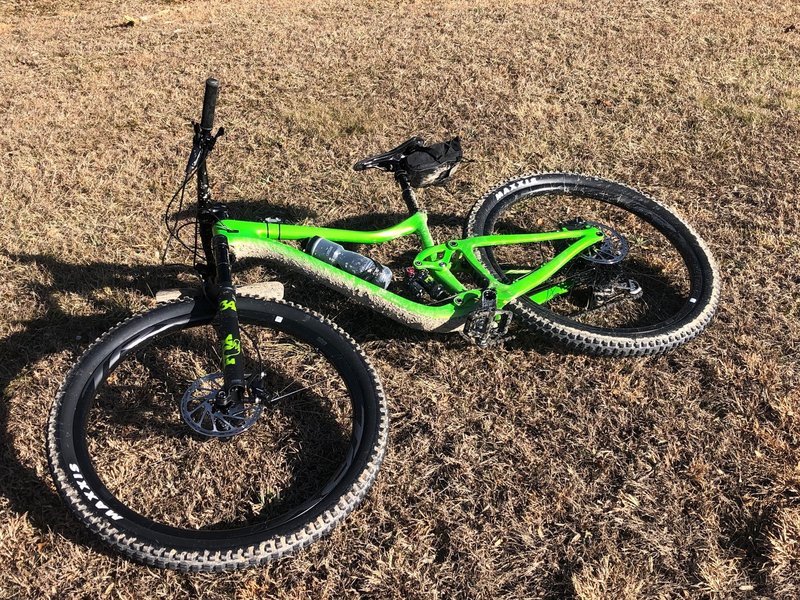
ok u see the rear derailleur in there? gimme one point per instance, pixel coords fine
(600, 293)
(617, 288)
(487, 326)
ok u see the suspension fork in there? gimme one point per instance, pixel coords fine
(225, 297)
(216, 274)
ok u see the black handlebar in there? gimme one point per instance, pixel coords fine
(209, 104)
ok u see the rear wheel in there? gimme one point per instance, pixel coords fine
(652, 285)
(145, 461)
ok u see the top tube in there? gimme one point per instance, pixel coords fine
(415, 224)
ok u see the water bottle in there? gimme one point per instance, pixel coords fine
(352, 262)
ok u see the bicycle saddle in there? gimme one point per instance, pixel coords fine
(388, 161)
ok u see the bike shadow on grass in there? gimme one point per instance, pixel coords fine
(57, 328)
(52, 331)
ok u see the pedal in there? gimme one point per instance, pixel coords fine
(486, 325)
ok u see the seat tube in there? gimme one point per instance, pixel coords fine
(410, 199)
(231, 346)
(409, 196)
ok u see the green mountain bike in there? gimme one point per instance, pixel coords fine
(228, 427)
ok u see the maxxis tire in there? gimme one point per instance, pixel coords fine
(587, 339)
(92, 507)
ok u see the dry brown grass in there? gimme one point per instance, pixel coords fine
(514, 472)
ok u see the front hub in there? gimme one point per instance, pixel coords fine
(205, 411)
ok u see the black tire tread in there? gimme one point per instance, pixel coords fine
(579, 340)
(217, 561)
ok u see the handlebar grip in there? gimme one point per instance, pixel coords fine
(209, 104)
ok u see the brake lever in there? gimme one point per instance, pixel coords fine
(213, 139)
(201, 146)
(194, 159)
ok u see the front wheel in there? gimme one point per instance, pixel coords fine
(137, 462)
(652, 285)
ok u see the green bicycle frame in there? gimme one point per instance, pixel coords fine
(439, 259)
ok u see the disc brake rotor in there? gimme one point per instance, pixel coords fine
(613, 249)
(201, 412)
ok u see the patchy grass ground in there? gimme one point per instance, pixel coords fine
(513, 472)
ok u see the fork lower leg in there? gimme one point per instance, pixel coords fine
(231, 346)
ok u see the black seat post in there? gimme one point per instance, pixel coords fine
(409, 196)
